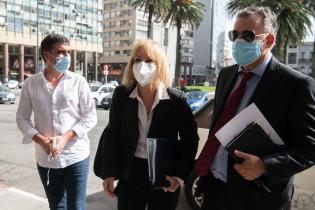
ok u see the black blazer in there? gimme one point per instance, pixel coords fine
(287, 100)
(171, 118)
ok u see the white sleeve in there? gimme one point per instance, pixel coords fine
(23, 116)
(88, 117)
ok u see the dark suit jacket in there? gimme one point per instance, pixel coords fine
(171, 118)
(287, 100)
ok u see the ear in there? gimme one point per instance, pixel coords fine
(270, 39)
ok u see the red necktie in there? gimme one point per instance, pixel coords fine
(210, 149)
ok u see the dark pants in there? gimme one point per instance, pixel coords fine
(214, 194)
(136, 193)
(67, 186)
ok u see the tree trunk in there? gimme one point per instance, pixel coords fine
(280, 48)
(178, 51)
(286, 43)
(313, 60)
(150, 23)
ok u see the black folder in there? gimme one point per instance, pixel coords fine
(162, 160)
(252, 140)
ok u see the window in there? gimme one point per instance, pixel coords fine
(117, 52)
(292, 58)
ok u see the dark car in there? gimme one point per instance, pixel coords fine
(195, 99)
(203, 116)
(6, 95)
(107, 101)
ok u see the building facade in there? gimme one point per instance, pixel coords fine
(122, 26)
(210, 39)
(24, 23)
(299, 57)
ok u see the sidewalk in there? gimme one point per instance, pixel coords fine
(12, 198)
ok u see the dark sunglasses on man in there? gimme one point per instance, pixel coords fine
(247, 35)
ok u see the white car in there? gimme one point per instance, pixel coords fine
(12, 84)
(100, 91)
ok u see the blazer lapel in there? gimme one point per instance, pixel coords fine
(268, 80)
(226, 86)
(131, 122)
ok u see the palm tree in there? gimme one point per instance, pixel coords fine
(152, 7)
(183, 12)
(293, 20)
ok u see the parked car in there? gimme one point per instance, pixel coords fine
(100, 91)
(107, 101)
(12, 84)
(6, 95)
(114, 83)
(196, 98)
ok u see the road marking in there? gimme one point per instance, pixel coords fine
(23, 193)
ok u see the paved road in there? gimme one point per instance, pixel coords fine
(18, 166)
(18, 170)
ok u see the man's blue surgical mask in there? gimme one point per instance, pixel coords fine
(62, 63)
(245, 52)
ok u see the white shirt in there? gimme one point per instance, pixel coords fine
(69, 106)
(144, 120)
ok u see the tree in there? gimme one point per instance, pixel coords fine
(152, 7)
(183, 12)
(293, 20)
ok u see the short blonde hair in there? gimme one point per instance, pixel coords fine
(155, 53)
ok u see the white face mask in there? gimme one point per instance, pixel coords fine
(144, 72)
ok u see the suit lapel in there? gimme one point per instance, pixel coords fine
(160, 117)
(131, 122)
(226, 86)
(268, 80)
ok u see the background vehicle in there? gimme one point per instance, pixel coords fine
(114, 83)
(196, 99)
(203, 116)
(12, 84)
(107, 101)
(100, 91)
(6, 95)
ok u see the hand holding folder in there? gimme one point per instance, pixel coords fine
(252, 140)
(250, 132)
(162, 160)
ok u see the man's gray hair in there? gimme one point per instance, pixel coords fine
(269, 18)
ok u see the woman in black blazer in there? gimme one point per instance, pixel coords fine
(145, 106)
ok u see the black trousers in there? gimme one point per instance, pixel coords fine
(214, 193)
(137, 194)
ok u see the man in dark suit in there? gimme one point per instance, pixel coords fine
(284, 96)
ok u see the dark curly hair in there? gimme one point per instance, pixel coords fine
(50, 40)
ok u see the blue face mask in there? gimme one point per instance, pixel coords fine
(62, 63)
(245, 52)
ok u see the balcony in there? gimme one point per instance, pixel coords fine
(305, 60)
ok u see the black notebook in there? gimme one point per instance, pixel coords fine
(162, 160)
(252, 140)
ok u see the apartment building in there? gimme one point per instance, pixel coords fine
(24, 23)
(299, 57)
(122, 26)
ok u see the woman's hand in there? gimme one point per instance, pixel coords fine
(174, 184)
(108, 186)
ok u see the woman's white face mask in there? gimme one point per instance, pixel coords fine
(144, 72)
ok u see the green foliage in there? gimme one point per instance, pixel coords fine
(160, 7)
(199, 88)
(190, 13)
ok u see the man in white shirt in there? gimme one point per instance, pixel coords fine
(64, 112)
